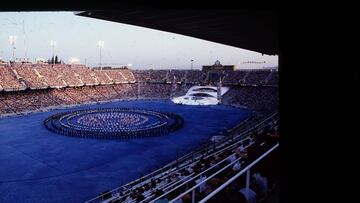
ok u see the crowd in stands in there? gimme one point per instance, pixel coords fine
(33, 79)
(38, 76)
(158, 75)
(256, 76)
(234, 77)
(61, 98)
(155, 90)
(142, 75)
(273, 79)
(8, 79)
(108, 92)
(261, 100)
(210, 169)
(126, 91)
(195, 76)
(25, 87)
(176, 76)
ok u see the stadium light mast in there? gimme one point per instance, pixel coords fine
(100, 45)
(192, 63)
(53, 45)
(12, 40)
(23, 24)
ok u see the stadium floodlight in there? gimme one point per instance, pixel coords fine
(192, 63)
(100, 45)
(12, 40)
(53, 45)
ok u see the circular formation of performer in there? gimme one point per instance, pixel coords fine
(114, 123)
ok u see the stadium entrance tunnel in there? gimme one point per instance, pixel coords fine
(114, 123)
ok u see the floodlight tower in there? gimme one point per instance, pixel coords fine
(53, 45)
(12, 40)
(192, 63)
(100, 45)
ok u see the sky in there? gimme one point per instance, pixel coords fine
(143, 48)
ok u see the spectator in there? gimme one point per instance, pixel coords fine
(260, 184)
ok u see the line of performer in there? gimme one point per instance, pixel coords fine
(109, 123)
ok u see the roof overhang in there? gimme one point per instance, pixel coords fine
(255, 30)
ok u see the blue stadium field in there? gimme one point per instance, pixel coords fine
(39, 166)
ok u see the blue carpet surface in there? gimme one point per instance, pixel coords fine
(39, 166)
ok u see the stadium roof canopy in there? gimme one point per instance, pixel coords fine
(255, 30)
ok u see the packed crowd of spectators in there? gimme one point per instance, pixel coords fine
(30, 76)
(142, 75)
(8, 79)
(60, 97)
(155, 90)
(126, 91)
(102, 77)
(65, 84)
(38, 76)
(158, 75)
(195, 76)
(256, 76)
(22, 101)
(273, 79)
(261, 100)
(176, 76)
(107, 92)
(234, 77)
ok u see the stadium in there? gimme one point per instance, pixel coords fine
(73, 133)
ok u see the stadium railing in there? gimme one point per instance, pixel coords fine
(246, 129)
(216, 191)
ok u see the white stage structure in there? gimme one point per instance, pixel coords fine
(202, 95)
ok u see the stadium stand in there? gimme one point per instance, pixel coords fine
(209, 167)
(273, 79)
(60, 97)
(116, 76)
(142, 75)
(128, 75)
(30, 76)
(61, 84)
(256, 77)
(52, 77)
(126, 91)
(107, 92)
(158, 75)
(155, 90)
(176, 76)
(261, 100)
(70, 76)
(234, 78)
(9, 81)
(102, 77)
(195, 76)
